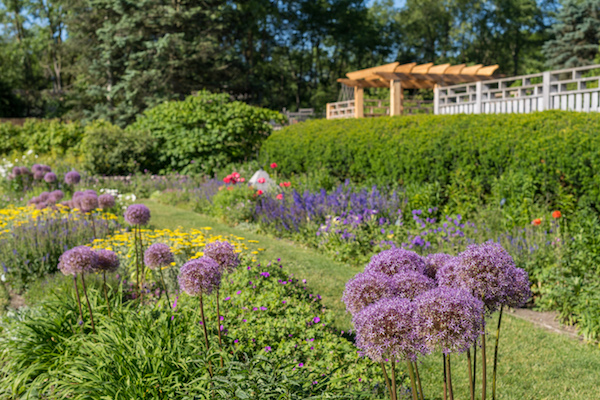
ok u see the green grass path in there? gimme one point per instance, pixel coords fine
(534, 364)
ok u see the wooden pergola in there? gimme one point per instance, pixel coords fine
(398, 77)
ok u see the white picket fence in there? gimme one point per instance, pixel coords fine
(574, 89)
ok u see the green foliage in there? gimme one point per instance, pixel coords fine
(547, 157)
(11, 138)
(576, 35)
(51, 137)
(205, 132)
(234, 204)
(153, 351)
(109, 150)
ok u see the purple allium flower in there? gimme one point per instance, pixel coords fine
(410, 284)
(50, 177)
(201, 275)
(72, 178)
(88, 202)
(392, 261)
(56, 196)
(158, 255)
(448, 318)
(41, 205)
(44, 196)
(485, 270)
(16, 171)
(107, 261)
(77, 260)
(39, 175)
(90, 191)
(434, 262)
(520, 291)
(365, 289)
(46, 168)
(224, 254)
(137, 214)
(106, 201)
(386, 329)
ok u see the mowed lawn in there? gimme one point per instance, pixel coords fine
(534, 363)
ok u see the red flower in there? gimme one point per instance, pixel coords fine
(242, 180)
(261, 180)
(285, 184)
(235, 175)
(556, 214)
(259, 192)
(274, 165)
(279, 196)
(227, 179)
(536, 222)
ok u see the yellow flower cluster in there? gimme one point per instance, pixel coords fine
(189, 243)
(12, 216)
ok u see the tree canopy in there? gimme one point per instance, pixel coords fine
(112, 59)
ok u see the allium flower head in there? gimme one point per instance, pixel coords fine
(386, 329)
(392, 261)
(137, 214)
(56, 196)
(77, 260)
(449, 319)
(434, 262)
(106, 201)
(50, 177)
(485, 270)
(107, 261)
(44, 196)
(72, 178)
(201, 275)
(39, 175)
(41, 205)
(88, 202)
(158, 255)
(224, 254)
(410, 284)
(520, 291)
(16, 171)
(36, 167)
(364, 289)
(90, 191)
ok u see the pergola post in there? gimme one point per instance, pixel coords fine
(396, 98)
(359, 104)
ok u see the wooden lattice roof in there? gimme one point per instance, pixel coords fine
(415, 76)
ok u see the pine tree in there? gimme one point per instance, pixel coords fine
(577, 34)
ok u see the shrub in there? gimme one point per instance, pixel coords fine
(554, 153)
(109, 150)
(205, 132)
(51, 136)
(11, 139)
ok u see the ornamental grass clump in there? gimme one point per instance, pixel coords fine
(137, 215)
(79, 260)
(201, 277)
(108, 261)
(159, 256)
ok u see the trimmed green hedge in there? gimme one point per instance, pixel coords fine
(556, 153)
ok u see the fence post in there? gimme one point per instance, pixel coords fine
(359, 104)
(328, 111)
(436, 99)
(546, 91)
(478, 97)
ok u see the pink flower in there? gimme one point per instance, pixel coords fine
(227, 179)
(261, 180)
(274, 165)
(235, 175)
(259, 192)
(242, 180)
(285, 184)
(279, 196)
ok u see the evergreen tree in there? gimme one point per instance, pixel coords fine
(577, 34)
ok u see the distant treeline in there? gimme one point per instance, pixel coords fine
(112, 59)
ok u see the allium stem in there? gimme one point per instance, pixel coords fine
(450, 389)
(93, 224)
(445, 378)
(88, 302)
(219, 327)
(496, 355)
(413, 386)
(105, 294)
(483, 365)
(387, 380)
(394, 390)
(474, 366)
(205, 333)
(421, 394)
(162, 278)
(471, 386)
(137, 258)
(78, 301)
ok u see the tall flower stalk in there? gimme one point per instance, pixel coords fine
(157, 257)
(137, 215)
(200, 277)
(107, 262)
